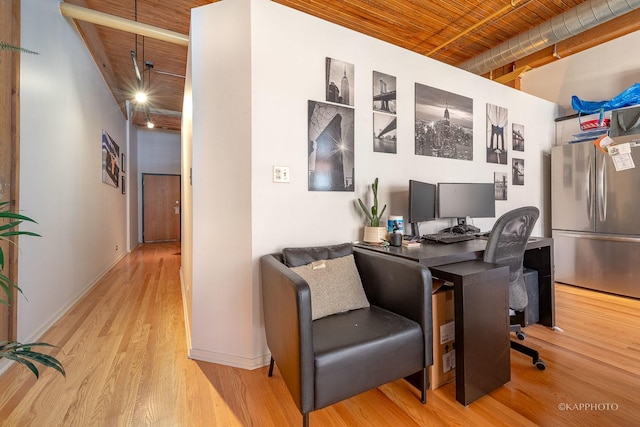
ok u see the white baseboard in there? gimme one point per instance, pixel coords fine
(185, 311)
(229, 359)
(64, 309)
(4, 364)
(213, 357)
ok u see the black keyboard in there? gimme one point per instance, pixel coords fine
(448, 237)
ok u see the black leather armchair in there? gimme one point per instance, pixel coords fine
(332, 358)
(505, 246)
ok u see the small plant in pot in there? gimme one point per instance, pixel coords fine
(373, 233)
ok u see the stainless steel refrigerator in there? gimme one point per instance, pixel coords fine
(595, 219)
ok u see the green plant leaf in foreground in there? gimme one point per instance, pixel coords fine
(6, 46)
(23, 354)
(12, 350)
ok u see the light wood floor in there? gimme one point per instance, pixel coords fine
(124, 350)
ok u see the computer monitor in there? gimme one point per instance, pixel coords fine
(422, 203)
(462, 200)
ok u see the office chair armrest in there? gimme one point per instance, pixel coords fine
(286, 302)
(398, 285)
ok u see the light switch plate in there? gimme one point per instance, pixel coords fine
(280, 174)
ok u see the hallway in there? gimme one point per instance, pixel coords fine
(124, 350)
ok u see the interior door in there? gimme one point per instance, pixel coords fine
(160, 208)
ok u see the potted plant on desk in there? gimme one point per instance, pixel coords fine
(373, 233)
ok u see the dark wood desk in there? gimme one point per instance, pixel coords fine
(482, 342)
(538, 256)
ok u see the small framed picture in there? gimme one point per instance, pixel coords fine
(500, 181)
(124, 186)
(122, 162)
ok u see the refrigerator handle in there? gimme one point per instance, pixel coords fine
(588, 191)
(601, 190)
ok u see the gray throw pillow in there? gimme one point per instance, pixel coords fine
(335, 286)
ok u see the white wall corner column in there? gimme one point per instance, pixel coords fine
(255, 64)
(222, 288)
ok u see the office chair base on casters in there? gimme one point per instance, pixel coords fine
(521, 335)
(535, 356)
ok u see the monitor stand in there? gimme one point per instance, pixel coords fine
(415, 230)
(468, 228)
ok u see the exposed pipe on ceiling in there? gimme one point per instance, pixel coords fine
(118, 23)
(581, 18)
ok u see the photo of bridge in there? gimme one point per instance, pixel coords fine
(385, 133)
(384, 92)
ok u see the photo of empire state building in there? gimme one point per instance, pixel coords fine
(339, 81)
(444, 124)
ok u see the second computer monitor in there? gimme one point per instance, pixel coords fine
(462, 200)
(422, 201)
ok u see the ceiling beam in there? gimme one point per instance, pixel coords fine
(118, 23)
(515, 74)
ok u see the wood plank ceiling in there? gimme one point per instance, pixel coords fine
(451, 31)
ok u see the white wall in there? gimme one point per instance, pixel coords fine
(596, 74)
(186, 271)
(223, 310)
(255, 65)
(133, 191)
(159, 153)
(65, 105)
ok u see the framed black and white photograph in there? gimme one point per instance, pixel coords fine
(517, 171)
(444, 124)
(497, 121)
(500, 181)
(110, 160)
(339, 81)
(123, 162)
(330, 147)
(384, 93)
(385, 133)
(124, 187)
(517, 137)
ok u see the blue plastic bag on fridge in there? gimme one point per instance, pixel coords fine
(630, 96)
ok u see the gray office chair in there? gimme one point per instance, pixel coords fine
(332, 358)
(506, 246)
